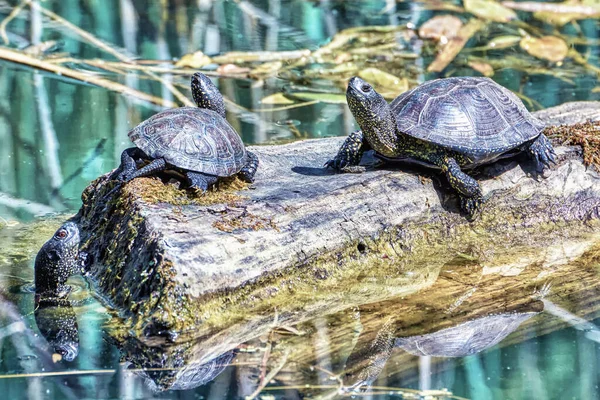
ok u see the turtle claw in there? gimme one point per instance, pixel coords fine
(471, 205)
(542, 152)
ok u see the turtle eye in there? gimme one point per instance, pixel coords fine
(366, 88)
(61, 234)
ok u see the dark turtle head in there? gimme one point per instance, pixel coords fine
(57, 259)
(206, 95)
(371, 111)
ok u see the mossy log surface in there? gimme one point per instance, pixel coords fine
(304, 233)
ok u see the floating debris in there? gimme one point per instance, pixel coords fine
(441, 28)
(549, 48)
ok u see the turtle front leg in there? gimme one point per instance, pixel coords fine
(128, 165)
(200, 181)
(468, 189)
(155, 166)
(350, 154)
(247, 172)
(542, 152)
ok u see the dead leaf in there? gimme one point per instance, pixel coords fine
(232, 69)
(194, 60)
(441, 26)
(503, 42)
(490, 10)
(451, 50)
(549, 48)
(484, 68)
(388, 85)
(277, 98)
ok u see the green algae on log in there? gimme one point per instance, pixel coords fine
(168, 267)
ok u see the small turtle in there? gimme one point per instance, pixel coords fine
(57, 260)
(198, 141)
(448, 124)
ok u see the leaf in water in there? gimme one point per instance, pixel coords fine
(388, 85)
(451, 50)
(232, 69)
(502, 42)
(549, 48)
(194, 60)
(484, 68)
(267, 69)
(489, 10)
(277, 98)
(332, 98)
(441, 27)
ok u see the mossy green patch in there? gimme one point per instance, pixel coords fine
(153, 191)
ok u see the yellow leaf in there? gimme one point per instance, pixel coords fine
(194, 60)
(277, 98)
(484, 68)
(490, 10)
(388, 85)
(549, 48)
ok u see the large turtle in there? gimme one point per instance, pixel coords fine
(449, 124)
(198, 141)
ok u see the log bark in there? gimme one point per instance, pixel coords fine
(304, 238)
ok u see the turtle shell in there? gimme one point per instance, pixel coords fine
(191, 138)
(472, 116)
(467, 338)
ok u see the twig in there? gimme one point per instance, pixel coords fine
(270, 376)
(88, 37)
(9, 18)
(560, 8)
(172, 89)
(20, 58)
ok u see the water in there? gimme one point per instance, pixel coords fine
(57, 134)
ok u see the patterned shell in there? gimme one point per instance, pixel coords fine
(473, 116)
(192, 138)
(465, 339)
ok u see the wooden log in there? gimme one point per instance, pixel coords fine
(304, 239)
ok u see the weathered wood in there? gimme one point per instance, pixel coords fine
(303, 233)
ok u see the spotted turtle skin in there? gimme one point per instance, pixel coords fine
(449, 124)
(57, 260)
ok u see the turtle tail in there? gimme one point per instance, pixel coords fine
(247, 172)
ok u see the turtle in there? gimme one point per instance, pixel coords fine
(449, 124)
(197, 141)
(57, 260)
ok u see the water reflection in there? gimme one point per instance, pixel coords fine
(57, 322)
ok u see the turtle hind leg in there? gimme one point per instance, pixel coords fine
(247, 172)
(350, 154)
(542, 152)
(468, 189)
(200, 181)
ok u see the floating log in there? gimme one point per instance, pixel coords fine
(303, 239)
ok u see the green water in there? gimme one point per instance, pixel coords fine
(57, 134)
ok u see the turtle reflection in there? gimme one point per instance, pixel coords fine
(173, 366)
(57, 323)
(468, 335)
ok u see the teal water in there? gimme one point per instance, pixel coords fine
(57, 134)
